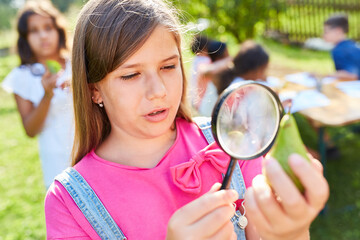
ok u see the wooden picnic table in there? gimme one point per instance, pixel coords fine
(342, 110)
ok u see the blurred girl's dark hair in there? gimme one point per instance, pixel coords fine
(251, 57)
(42, 8)
(199, 44)
(216, 50)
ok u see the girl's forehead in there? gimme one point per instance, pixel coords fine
(37, 19)
(160, 45)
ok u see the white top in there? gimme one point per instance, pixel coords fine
(210, 97)
(56, 137)
(208, 102)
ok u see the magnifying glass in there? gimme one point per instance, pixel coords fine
(37, 69)
(245, 122)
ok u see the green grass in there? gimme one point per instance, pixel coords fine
(21, 187)
(299, 59)
(6, 64)
(22, 191)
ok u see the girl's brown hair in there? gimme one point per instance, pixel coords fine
(107, 33)
(43, 8)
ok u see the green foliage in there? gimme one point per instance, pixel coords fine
(62, 5)
(7, 13)
(65, 5)
(237, 17)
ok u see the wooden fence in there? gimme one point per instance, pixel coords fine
(298, 20)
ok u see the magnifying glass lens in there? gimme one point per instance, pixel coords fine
(247, 121)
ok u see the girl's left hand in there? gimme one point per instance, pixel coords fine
(65, 85)
(282, 212)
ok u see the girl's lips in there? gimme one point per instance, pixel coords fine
(157, 115)
(45, 45)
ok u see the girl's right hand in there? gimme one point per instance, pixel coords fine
(281, 212)
(48, 82)
(207, 217)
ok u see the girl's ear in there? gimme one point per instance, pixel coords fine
(95, 93)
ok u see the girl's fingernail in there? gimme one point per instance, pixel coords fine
(272, 166)
(296, 159)
(269, 162)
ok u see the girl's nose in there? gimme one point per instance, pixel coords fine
(155, 87)
(43, 33)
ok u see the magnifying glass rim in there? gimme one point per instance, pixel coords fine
(223, 96)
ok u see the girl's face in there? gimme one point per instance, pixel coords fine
(43, 37)
(142, 96)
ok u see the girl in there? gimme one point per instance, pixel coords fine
(250, 63)
(205, 91)
(43, 101)
(200, 60)
(151, 171)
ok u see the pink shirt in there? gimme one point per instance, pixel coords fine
(142, 200)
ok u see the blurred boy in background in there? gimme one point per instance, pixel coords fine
(345, 54)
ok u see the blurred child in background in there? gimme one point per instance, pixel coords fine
(215, 59)
(43, 99)
(346, 53)
(250, 63)
(200, 61)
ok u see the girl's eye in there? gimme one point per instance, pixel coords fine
(127, 77)
(169, 67)
(49, 28)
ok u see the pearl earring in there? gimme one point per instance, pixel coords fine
(101, 104)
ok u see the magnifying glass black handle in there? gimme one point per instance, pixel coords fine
(229, 172)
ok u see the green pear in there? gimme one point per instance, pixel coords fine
(288, 141)
(53, 66)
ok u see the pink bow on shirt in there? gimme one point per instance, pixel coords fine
(187, 175)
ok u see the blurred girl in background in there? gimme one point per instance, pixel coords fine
(42, 98)
(250, 63)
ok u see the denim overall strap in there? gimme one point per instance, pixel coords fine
(204, 123)
(89, 204)
(237, 180)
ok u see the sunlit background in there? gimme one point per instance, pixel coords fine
(290, 30)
